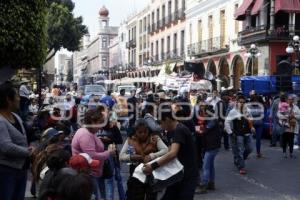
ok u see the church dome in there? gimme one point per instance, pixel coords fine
(103, 12)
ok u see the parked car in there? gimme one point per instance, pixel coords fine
(95, 90)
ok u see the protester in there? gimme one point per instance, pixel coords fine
(239, 127)
(181, 146)
(256, 110)
(221, 113)
(56, 160)
(145, 147)
(24, 93)
(85, 141)
(289, 116)
(211, 138)
(110, 134)
(14, 150)
(132, 103)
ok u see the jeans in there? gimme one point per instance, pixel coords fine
(288, 140)
(275, 135)
(12, 183)
(209, 167)
(109, 183)
(241, 148)
(98, 187)
(258, 134)
(226, 139)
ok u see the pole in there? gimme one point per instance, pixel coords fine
(39, 86)
(253, 65)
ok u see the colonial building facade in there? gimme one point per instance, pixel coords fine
(94, 57)
(271, 25)
(212, 38)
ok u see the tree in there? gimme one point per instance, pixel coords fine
(23, 35)
(64, 30)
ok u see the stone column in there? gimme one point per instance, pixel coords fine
(272, 16)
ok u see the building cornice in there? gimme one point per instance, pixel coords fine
(204, 7)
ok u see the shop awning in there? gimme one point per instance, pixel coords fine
(287, 5)
(257, 7)
(241, 11)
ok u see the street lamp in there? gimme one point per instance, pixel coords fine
(253, 52)
(294, 47)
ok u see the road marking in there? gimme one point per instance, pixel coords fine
(261, 185)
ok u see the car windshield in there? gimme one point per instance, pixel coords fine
(127, 88)
(90, 89)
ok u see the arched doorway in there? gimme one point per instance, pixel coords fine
(224, 73)
(211, 67)
(237, 71)
(252, 63)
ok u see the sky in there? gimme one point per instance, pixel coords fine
(118, 11)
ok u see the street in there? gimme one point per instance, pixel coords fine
(270, 178)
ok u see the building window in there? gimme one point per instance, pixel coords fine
(182, 42)
(191, 33)
(183, 4)
(144, 42)
(210, 32)
(104, 42)
(156, 52)
(152, 49)
(141, 43)
(145, 24)
(163, 14)
(141, 26)
(157, 16)
(162, 49)
(175, 44)
(168, 45)
(104, 62)
(199, 30)
(222, 28)
(169, 8)
(176, 5)
(236, 23)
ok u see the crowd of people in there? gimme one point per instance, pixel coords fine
(75, 150)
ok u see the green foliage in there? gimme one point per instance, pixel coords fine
(23, 33)
(168, 68)
(64, 30)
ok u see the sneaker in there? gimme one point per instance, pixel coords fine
(201, 189)
(243, 171)
(211, 186)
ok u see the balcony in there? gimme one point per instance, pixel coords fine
(169, 19)
(262, 34)
(182, 14)
(211, 46)
(175, 16)
(131, 44)
(153, 27)
(162, 23)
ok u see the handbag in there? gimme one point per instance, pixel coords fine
(107, 170)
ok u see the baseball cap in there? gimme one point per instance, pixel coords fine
(84, 161)
(51, 132)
